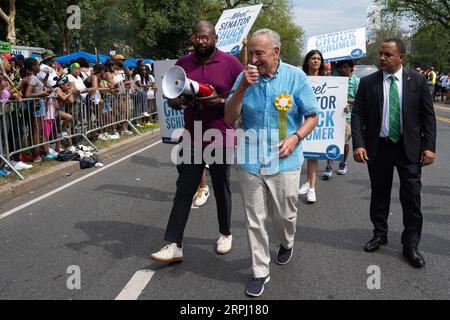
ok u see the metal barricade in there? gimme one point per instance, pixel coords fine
(4, 138)
(108, 110)
(153, 109)
(35, 124)
(142, 106)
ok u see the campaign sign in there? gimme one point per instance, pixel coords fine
(343, 45)
(327, 140)
(233, 26)
(170, 119)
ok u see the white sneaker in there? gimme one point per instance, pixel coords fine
(103, 137)
(63, 135)
(114, 136)
(224, 244)
(311, 196)
(304, 189)
(52, 151)
(19, 166)
(169, 253)
(201, 197)
(127, 133)
(146, 114)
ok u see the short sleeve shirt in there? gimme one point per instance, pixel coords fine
(221, 72)
(37, 83)
(257, 151)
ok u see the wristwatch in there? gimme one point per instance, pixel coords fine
(299, 137)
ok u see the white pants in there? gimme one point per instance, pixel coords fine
(275, 196)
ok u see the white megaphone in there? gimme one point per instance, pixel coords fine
(175, 83)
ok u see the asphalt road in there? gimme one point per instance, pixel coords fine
(109, 223)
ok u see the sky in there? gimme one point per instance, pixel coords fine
(325, 16)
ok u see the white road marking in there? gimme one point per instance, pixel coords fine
(49, 194)
(136, 285)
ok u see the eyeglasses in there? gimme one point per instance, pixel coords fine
(204, 38)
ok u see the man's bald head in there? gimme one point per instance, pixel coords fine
(204, 26)
(204, 39)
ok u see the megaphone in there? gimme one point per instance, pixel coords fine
(175, 83)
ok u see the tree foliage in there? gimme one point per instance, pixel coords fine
(422, 11)
(148, 28)
(276, 15)
(430, 48)
(387, 27)
(430, 35)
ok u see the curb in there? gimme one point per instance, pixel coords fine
(17, 189)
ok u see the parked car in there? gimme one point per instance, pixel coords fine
(362, 70)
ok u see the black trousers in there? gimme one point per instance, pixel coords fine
(381, 171)
(189, 176)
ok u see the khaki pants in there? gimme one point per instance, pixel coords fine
(348, 131)
(275, 196)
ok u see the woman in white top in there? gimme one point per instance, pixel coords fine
(117, 103)
(75, 78)
(143, 87)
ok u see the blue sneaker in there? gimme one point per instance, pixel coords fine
(342, 169)
(284, 255)
(328, 173)
(256, 286)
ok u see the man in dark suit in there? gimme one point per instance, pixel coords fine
(394, 125)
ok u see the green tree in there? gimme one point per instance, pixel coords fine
(430, 48)
(36, 26)
(423, 11)
(276, 15)
(147, 28)
(378, 31)
(104, 26)
(159, 28)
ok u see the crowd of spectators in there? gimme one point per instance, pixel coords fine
(46, 90)
(438, 84)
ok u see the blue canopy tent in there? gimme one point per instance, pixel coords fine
(91, 58)
(131, 63)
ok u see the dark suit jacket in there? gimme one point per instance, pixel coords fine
(419, 121)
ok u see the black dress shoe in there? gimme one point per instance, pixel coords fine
(414, 257)
(374, 244)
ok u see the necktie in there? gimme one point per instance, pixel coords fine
(394, 112)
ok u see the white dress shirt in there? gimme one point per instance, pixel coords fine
(386, 89)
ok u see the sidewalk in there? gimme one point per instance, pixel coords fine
(57, 172)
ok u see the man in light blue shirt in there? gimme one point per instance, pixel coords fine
(278, 109)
